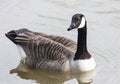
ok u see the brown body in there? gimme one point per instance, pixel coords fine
(43, 51)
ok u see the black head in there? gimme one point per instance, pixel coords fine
(78, 21)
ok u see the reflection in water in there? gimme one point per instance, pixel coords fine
(44, 77)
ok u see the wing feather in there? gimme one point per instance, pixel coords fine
(64, 41)
(44, 53)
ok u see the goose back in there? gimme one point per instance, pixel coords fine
(63, 40)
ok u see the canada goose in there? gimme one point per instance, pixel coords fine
(44, 53)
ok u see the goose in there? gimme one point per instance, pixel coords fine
(47, 54)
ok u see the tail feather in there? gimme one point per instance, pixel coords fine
(14, 33)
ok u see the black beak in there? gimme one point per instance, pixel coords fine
(72, 26)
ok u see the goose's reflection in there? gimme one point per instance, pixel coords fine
(44, 77)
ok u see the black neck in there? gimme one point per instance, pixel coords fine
(82, 52)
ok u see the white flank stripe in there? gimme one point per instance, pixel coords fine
(21, 52)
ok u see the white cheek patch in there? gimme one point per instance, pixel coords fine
(82, 23)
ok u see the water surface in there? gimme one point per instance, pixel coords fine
(53, 17)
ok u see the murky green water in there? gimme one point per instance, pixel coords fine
(53, 17)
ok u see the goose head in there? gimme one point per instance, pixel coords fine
(78, 21)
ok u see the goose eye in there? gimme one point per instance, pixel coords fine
(76, 19)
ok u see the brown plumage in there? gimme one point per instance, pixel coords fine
(43, 53)
(72, 45)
